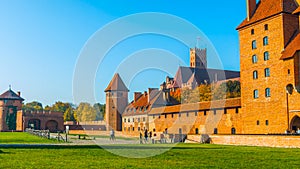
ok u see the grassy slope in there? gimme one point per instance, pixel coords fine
(181, 156)
(21, 138)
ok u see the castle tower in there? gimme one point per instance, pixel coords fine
(116, 102)
(198, 58)
(11, 111)
(268, 28)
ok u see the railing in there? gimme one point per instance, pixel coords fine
(46, 134)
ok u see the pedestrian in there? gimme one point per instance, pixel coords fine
(146, 135)
(141, 138)
(150, 136)
(112, 135)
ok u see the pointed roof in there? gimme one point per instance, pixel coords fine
(292, 48)
(297, 10)
(116, 84)
(269, 8)
(10, 95)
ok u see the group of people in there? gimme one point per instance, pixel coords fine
(144, 136)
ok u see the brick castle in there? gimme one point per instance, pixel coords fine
(270, 84)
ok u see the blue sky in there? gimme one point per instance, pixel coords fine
(40, 41)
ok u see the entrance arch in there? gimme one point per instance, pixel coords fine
(52, 126)
(34, 124)
(295, 123)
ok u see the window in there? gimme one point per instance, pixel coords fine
(187, 114)
(132, 128)
(159, 117)
(252, 31)
(289, 71)
(266, 27)
(144, 118)
(196, 113)
(204, 113)
(267, 122)
(215, 112)
(225, 111)
(268, 92)
(132, 119)
(165, 116)
(125, 120)
(266, 56)
(128, 120)
(179, 114)
(237, 111)
(266, 41)
(255, 75)
(139, 119)
(267, 72)
(172, 115)
(255, 93)
(257, 122)
(254, 44)
(254, 59)
(139, 128)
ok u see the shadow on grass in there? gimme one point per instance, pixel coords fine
(2, 152)
(145, 147)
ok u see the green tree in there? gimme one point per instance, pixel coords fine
(100, 111)
(32, 106)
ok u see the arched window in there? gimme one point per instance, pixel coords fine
(255, 75)
(254, 59)
(252, 31)
(266, 56)
(268, 92)
(255, 94)
(266, 41)
(254, 44)
(267, 72)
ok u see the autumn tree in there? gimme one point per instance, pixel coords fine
(32, 106)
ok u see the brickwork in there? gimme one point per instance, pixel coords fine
(266, 114)
(253, 140)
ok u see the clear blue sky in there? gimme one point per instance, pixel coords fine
(40, 41)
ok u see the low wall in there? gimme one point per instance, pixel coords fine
(253, 140)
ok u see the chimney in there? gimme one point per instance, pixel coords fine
(137, 95)
(19, 93)
(251, 6)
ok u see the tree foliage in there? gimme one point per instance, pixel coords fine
(32, 106)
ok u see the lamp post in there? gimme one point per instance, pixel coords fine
(289, 91)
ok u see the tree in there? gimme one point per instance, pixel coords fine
(33, 106)
(100, 111)
(85, 112)
(69, 115)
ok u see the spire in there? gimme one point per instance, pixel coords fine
(116, 84)
(9, 87)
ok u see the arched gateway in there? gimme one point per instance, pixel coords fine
(295, 123)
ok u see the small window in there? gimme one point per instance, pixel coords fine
(125, 120)
(139, 129)
(166, 116)
(267, 72)
(205, 113)
(154, 130)
(266, 27)
(257, 122)
(254, 59)
(266, 56)
(172, 115)
(132, 119)
(215, 112)
(237, 111)
(215, 131)
(289, 71)
(144, 118)
(132, 128)
(196, 113)
(255, 93)
(267, 122)
(159, 116)
(225, 111)
(266, 41)
(254, 44)
(187, 114)
(268, 92)
(255, 75)
(179, 114)
(252, 31)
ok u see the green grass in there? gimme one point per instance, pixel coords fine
(181, 156)
(22, 138)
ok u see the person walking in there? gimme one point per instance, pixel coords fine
(146, 135)
(112, 135)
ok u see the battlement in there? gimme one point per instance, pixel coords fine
(42, 113)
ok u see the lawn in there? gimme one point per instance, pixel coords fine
(22, 138)
(180, 156)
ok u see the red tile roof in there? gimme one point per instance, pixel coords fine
(218, 104)
(10, 95)
(116, 84)
(292, 48)
(268, 8)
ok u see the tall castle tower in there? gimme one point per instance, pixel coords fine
(198, 58)
(116, 102)
(11, 111)
(268, 29)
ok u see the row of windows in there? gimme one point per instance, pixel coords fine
(258, 122)
(132, 128)
(138, 119)
(267, 93)
(266, 57)
(266, 27)
(196, 113)
(267, 73)
(265, 42)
